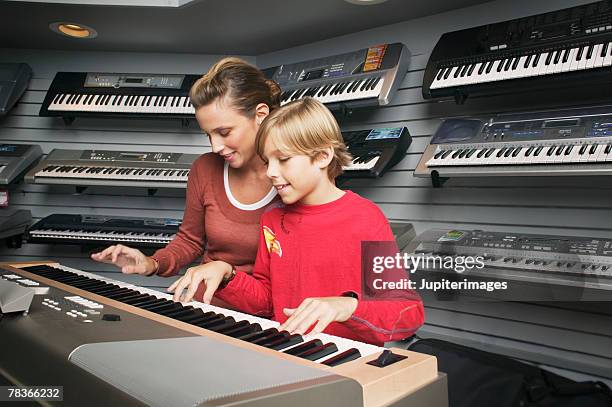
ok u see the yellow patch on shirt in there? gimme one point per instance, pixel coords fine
(272, 243)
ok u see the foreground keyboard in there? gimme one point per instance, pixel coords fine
(103, 230)
(572, 45)
(113, 168)
(74, 94)
(96, 307)
(367, 77)
(563, 142)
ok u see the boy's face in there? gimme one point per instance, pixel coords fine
(296, 177)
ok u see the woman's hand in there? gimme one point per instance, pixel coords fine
(210, 273)
(323, 311)
(129, 260)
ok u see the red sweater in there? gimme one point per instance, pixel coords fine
(314, 251)
(212, 225)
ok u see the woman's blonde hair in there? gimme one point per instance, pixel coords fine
(243, 85)
(305, 127)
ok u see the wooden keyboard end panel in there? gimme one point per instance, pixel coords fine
(384, 385)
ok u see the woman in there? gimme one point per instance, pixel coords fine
(227, 190)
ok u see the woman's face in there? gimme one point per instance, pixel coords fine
(232, 134)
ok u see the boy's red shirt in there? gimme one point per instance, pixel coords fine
(314, 251)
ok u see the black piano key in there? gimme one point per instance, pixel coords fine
(508, 152)
(604, 48)
(448, 72)
(247, 330)
(535, 61)
(569, 149)
(270, 338)
(233, 327)
(215, 322)
(557, 56)
(464, 70)
(179, 312)
(104, 290)
(508, 64)
(559, 150)
(516, 151)
(593, 148)
(162, 304)
(197, 316)
(515, 63)
(120, 294)
(538, 151)
(457, 71)
(284, 343)
(566, 55)
(140, 299)
(440, 73)
(346, 356)
(482, 68)
(134, 294)
(608, 149)
(501, 152)
(227, 323)
(551, 150)
(590, 49)
(168, 309)
(500, 66)
(306, 346)
(56, 98)
(583, 149)
(258, 334)
(579, 53)
(319, 352)
(548, 58)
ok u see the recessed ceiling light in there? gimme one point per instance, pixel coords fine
(365, 2)
(73, 30)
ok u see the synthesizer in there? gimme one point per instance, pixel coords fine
(14, 80)
(367, 77)
(113, 168)
(572, 46)
(15, 159)
(74, 94)
(562, 142)
(105, 230)
(581, 263)
(375, 151)
(13, 225)
(91, 331)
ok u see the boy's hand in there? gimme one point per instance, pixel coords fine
(211, 273)
(323, 311)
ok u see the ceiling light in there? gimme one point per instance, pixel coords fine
(73, 30)
(365, 2)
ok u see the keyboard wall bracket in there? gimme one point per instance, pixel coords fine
(460, 98)
(80, 189)
(68, 120)
(436, 180)
(151, 191)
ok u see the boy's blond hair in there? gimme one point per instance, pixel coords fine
(307, 127)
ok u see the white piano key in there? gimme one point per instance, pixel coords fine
(594, 53)
(583, 60)
(608, 58)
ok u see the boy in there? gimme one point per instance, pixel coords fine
(308, 266)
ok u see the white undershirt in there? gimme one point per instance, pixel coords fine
(250, 207)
